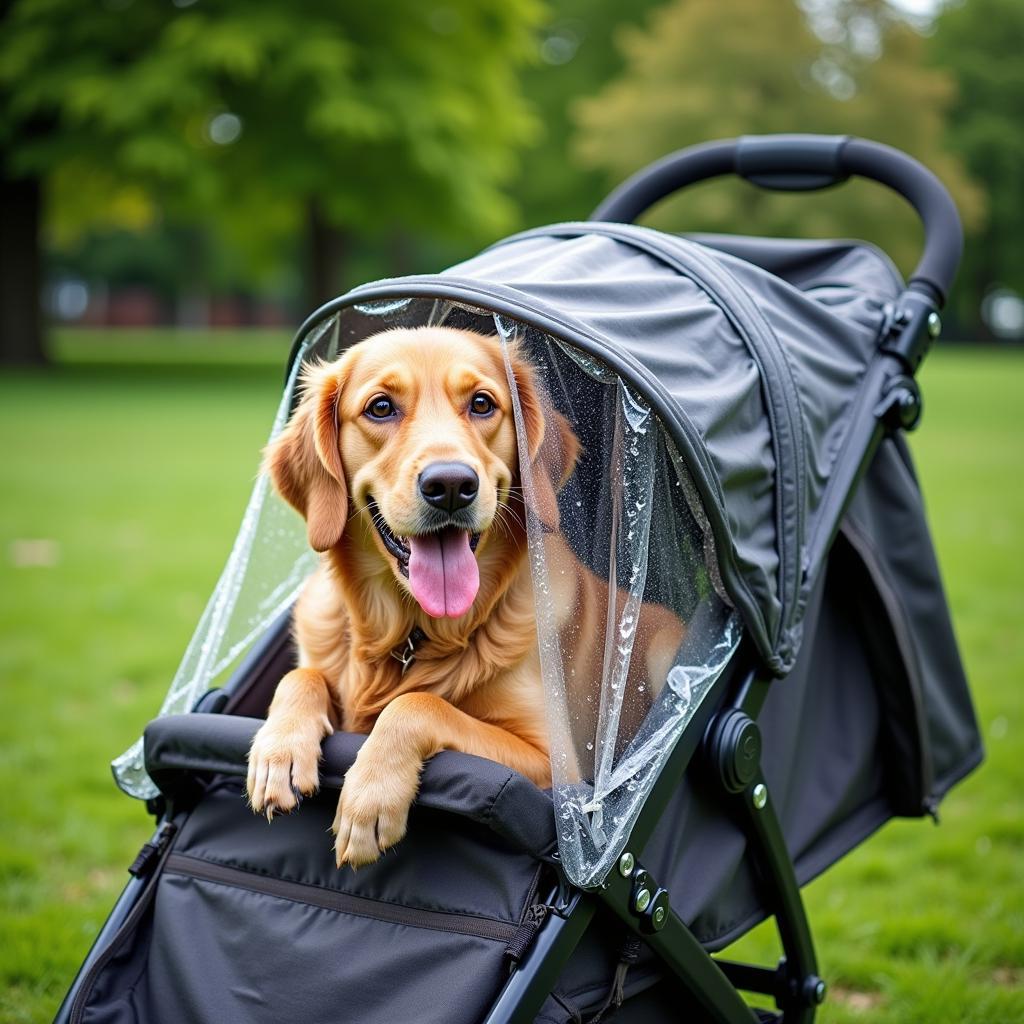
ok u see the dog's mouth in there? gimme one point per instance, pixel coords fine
(398, 547)
(440, 565)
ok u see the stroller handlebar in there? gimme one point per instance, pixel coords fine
(804, 163)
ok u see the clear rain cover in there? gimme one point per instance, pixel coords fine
(650, 628)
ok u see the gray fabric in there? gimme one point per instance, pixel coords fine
(874, 720)
(886, 524)
(183, 748)
(213, 952)
(815, 266)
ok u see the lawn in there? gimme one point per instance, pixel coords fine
(124, 477)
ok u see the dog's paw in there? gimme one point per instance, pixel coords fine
(283, 768)
(373, 810)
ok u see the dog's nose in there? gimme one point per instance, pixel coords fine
(449, 485)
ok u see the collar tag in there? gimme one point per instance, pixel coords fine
(405, 654)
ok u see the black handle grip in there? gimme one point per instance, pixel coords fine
(803, 163)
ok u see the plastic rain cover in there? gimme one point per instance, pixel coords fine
(632, 621)
(633, 625)
(267, 566)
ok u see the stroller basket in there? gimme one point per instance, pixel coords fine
(732, 474)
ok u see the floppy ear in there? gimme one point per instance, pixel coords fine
(304, 461)
(553, 445)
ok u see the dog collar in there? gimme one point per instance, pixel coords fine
(405, 654)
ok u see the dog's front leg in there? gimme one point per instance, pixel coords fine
(381, 785)
(285, 754)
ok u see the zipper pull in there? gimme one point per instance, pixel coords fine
(152, 851)
(524, 934)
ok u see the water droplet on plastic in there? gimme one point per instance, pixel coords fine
(384, 307)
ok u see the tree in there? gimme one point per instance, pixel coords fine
(577, 56)
(981, 43)
(704, 69)
(318, 116)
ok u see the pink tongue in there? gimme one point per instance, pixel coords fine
(443, 574)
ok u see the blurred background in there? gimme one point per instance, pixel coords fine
(196, 164)
(183, 181)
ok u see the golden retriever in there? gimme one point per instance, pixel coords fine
(402, 457)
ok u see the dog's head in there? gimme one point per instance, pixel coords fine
(414, 428)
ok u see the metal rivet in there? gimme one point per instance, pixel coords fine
(659, 916)
(626, 864)
(642, 901)
(814, 990)
(760, 796)
(934, 325)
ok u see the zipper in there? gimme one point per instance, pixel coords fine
(533, 917)
(773, 366)
(339, 902)
(497, 299)
(149, 860)
(149, 856)
(156, 860)
(526, 932)
(908, 652)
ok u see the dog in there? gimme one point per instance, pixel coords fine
(419, 627)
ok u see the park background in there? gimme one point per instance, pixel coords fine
(182, 181)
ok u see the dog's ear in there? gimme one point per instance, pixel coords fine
(552, 443)
(304, 460)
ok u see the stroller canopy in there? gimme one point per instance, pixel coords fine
(752, 365)
(710, 385)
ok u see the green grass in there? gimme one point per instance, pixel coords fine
(137, 473)
(171, 347)
(138, 476)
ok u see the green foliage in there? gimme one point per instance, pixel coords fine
(576, 57)
(386, 114)
(982, 44)
(705, 69)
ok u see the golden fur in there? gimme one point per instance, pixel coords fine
(475, 684)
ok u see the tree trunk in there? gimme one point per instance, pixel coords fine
(21, 275)
(325, 258)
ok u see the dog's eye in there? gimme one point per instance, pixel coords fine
(482, 404)
(381, 408)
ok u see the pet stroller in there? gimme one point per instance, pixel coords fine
(740, 405)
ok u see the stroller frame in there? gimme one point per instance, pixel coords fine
(723, 740)
(728, 740)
